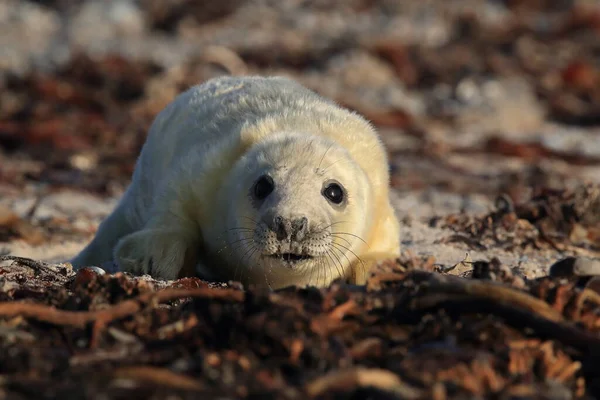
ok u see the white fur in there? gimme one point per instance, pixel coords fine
(189, 199)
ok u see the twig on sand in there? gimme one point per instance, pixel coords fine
(460, 296)
(101, 318)
(38, 266)
(496, 292)
(28, 262)
(342, 380)
(157, 376)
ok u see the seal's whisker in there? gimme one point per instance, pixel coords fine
(337, 222)
(248, 256)
(225, 237)
(312, 271)
(324, 270)
(305, 269)
(243, 270)
(339, 245)
(342, 253)
(239, 262)
(318, 230)
(258, 265)
(263, 269)
(368, 156)
(239, 240)
(309, 144)
(250, 248)
(234, 249)
(315, 268)
(339, 259)
(362, 263)
(243, 243)
(344, 159)
(232, 243)
(330, 254)
(351, 234)
(249, 218)
(329, 259)
(319, 266)
(335, 162)
(324, 154)
(239, 229)
(326, 273)
(339, 273)
(350, 250)
(235, 228)
(341, 238)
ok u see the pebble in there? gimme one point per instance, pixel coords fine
(27, 30)
(100, 22)
(86, 275)
(575, 266)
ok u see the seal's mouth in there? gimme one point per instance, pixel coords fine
(291, 257)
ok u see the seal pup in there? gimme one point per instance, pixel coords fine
(253, 179)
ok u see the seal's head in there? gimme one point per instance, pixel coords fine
(299, 208)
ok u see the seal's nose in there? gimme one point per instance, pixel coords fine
(282, 227)
(285, 228)
(300, 227)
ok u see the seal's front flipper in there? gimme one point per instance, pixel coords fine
(99, 251)
(164, 254)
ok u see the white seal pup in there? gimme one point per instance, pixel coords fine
(258, 180)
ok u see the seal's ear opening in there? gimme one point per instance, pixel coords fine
(161, 253)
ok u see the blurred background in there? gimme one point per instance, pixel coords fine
(473, 99)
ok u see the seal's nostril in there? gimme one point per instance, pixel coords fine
(300, 224)
(300, 227)
(282, 228)
(285, 228)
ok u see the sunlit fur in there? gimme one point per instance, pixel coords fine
(189, 208)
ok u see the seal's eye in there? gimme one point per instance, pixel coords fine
(263, 187)
(334, 193)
